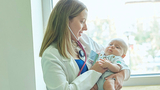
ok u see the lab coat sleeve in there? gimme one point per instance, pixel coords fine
(55, 77)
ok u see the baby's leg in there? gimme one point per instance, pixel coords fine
(109, 84)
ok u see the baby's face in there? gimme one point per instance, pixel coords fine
(115, 47)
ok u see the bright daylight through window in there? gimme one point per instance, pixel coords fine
(138, 23)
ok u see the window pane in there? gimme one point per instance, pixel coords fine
(137, 23)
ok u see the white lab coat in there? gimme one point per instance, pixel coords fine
(60, 73)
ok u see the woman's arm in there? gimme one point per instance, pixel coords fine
(119, 78)
(61, 74)
(56, 78)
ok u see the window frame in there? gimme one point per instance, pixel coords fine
(134, 80)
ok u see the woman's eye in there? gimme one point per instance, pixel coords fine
(82, 21)
(110, 44)
(117, 47)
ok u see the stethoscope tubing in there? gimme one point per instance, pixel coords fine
(80, 45)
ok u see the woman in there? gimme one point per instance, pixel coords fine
(61, 61)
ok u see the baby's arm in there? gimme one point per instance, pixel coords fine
(112, 67)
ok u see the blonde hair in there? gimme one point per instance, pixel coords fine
(57, 30)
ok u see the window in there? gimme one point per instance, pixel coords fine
(138, 23)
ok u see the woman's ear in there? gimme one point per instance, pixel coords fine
(123, 55)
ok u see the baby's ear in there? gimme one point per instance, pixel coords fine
(123, 55)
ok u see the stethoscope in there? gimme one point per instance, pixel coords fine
(82, 52)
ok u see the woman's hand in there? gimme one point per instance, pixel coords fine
(97, 67)
(95, 87)
(119, 78)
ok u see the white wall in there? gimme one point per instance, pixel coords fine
(19, 62)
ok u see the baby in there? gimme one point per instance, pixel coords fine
(114, 54)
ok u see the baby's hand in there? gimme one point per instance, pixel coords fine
(105, 63)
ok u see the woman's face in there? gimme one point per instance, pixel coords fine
(78, 24)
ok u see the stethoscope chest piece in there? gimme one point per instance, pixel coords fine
(81, 54)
